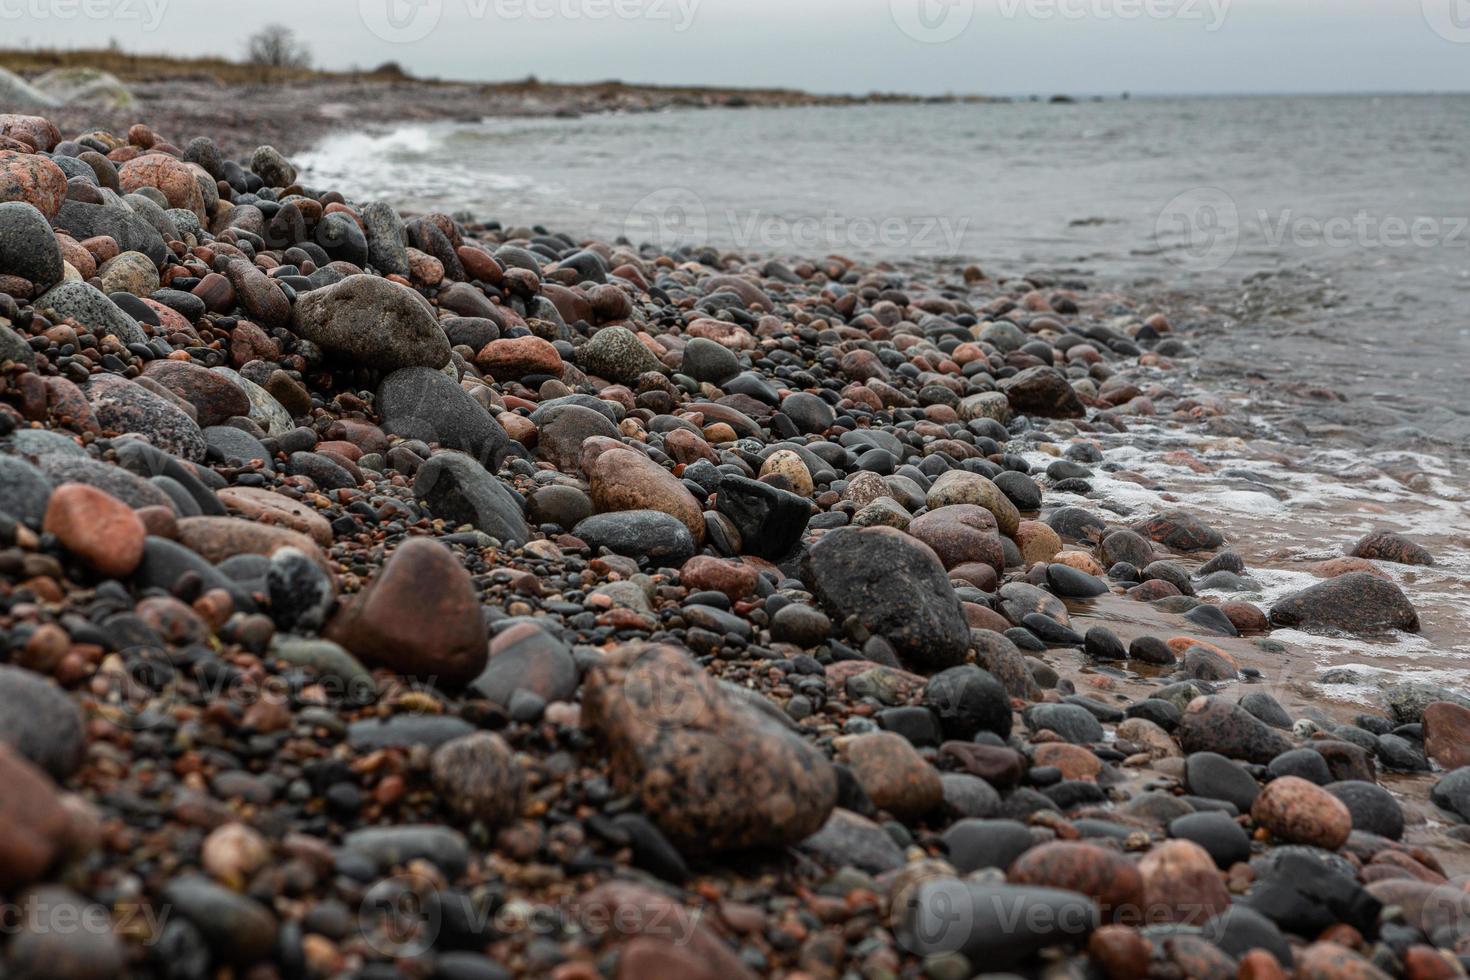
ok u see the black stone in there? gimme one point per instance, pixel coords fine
(1101, 643)
(892, 586)
(1072, 722)
(1151, 650)
(1240, 929)
(977, 844)
(1217, 833)
(421, 403)
(1072, 583)
(651, 849)
(967, 700)
(1452, 793)
(1374, 809)
(1211, 618)
(997, 925)
(651, 534)
(1302, 763)
(1216, 777)
(1051, 632)
(770, 521)
(1304, 896)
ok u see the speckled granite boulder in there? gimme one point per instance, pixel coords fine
(715, 774)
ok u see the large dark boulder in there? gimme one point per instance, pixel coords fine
(894, 586)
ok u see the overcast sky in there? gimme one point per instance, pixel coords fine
(1005, 47)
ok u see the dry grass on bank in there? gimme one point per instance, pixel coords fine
(158, 67)
(131, 67)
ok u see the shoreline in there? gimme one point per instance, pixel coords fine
(294, 117)
(293, 111)
(781, 601)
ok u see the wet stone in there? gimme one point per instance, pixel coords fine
(770, 521)
(1354, 603)
(985, 932)
(847, 839)
(420, 616)
(1267, 709)
(895, 587)
(1302, 763)
(1452, 794)
(1213, 776)
(1373, 808)
(1219, 834)
(1073, 584)
(1212, 724)
(1072, 722)
(1181, 531)
(649, 534)
(1391, 547)
(1042, 391)
(458, 489)
(714, 773)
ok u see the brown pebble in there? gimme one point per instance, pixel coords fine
(1300, 812)
(1121, 951)
(1329, 961)
(1105, 876)
(894, 775)
(1447, 734)
(420, 616)
(98, 528)
(1257, 964)
(1181, 884)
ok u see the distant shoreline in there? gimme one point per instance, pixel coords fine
(294, 110)
(140, 67)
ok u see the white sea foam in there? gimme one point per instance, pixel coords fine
(412, 166)
(1309, 510)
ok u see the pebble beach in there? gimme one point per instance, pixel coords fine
(414, 595)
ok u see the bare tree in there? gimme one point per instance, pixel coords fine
(276, 46)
